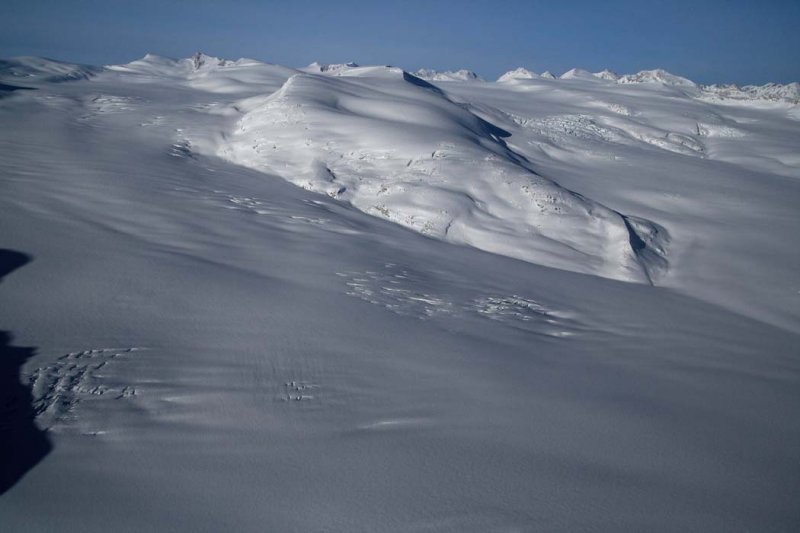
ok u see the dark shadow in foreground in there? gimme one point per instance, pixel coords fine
(22, 444)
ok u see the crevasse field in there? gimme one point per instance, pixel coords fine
(238, 296)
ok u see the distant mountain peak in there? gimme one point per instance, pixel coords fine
(657, 76)
(200, 60)
(447, 75)
(607, 74)
(520, 73)
(577, 74)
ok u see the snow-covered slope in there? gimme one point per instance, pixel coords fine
(38, 69)
(396, 147)
(190, 341)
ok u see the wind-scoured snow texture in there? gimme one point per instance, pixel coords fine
(398, 148)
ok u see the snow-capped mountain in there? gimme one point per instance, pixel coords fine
(449, 75)
(789, 92)
(607, 75)
(578, 74)
(239, 295)
(656, 76)
(775, 92)
(520, 73)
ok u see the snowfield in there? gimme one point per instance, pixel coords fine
(242, 296)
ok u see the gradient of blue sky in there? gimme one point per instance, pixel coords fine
(709, 41)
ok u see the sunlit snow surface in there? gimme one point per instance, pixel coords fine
(347, 298)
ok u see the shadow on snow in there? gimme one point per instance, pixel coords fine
(22, 443)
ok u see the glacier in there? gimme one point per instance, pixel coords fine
(240, 295)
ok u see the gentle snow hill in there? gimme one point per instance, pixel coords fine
(396, 147)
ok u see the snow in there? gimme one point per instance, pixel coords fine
(607, 75)
(777, 92)
(449, 75)
(345, 298)
(578, 74)
(724, 94)
(398, 148)
(335, 69)
(657, 76)
(520, 73)
(38, 69)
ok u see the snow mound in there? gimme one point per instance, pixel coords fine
(40, 70)
(520, 73)
(448, 75)
(396, 147)
(657, 76)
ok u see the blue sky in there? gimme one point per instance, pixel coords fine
(709, 41)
